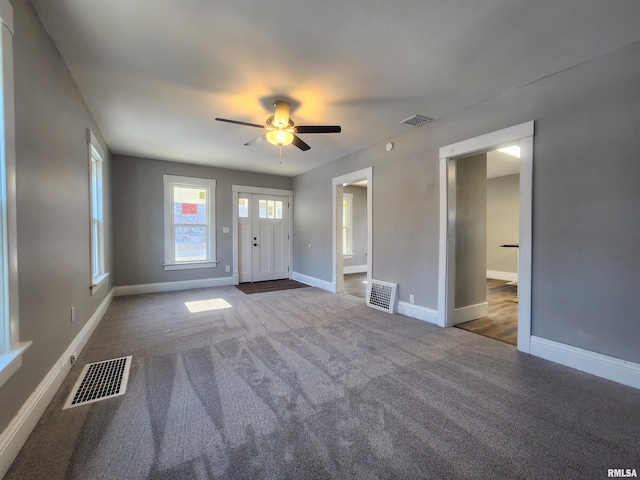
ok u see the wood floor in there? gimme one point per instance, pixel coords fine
(502, 321)
(355, 284)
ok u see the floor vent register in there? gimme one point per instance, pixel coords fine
(99, 381)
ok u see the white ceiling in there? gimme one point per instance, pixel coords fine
(155, 73)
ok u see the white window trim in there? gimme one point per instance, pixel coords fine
(349, 252)
(169, 260)
(96, 160)
(189, 265)
(11, 349)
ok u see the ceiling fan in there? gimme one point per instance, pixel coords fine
(281, 130)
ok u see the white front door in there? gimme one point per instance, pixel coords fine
(263, 237)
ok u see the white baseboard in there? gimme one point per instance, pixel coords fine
(15, 435)
(471, 312)
(416, 311)
(354, 269)
(314, 282)
(506, 276)
(172, 286)
(611, 368)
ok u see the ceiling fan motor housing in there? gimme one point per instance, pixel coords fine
(270, 124)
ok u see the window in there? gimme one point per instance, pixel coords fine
(270, 209)
(10, 347)
(96, 162)
(347, 224)
(189, 213)
(243, 208)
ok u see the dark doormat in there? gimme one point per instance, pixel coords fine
(269, 286)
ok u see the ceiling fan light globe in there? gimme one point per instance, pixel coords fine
(279, 137)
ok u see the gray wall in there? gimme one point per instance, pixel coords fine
(359, 226)
(138, 216)
(585, 202)
(503, 220)
(403, 218)
(471, 230)
(52, 180)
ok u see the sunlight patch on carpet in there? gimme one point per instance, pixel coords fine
(207, 305)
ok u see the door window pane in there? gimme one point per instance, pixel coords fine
(270, 209)
(243, 207)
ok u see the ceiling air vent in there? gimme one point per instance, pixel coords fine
(417, 120)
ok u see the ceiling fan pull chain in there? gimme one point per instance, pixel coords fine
(280, 154)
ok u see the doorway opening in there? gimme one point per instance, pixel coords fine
(450, 229)
(354, 238)
(262, 234)
(352, 232)
(487, 232)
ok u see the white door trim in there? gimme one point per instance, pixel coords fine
(237, 189)
(337, 279)
(446, 279)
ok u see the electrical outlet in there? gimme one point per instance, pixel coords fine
(73, 314)
(412, 300)
(227, 269)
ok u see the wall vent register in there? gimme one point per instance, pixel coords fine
(382, 295)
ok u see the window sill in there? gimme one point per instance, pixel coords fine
(190, 266)
(347, 255)
(11, 361)
(98, 282)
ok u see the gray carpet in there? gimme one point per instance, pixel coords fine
(304, 384)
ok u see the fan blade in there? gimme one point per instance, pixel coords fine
(260, 139)
(300, 144)
(281, 118)
(240, 123)
(319, 129)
